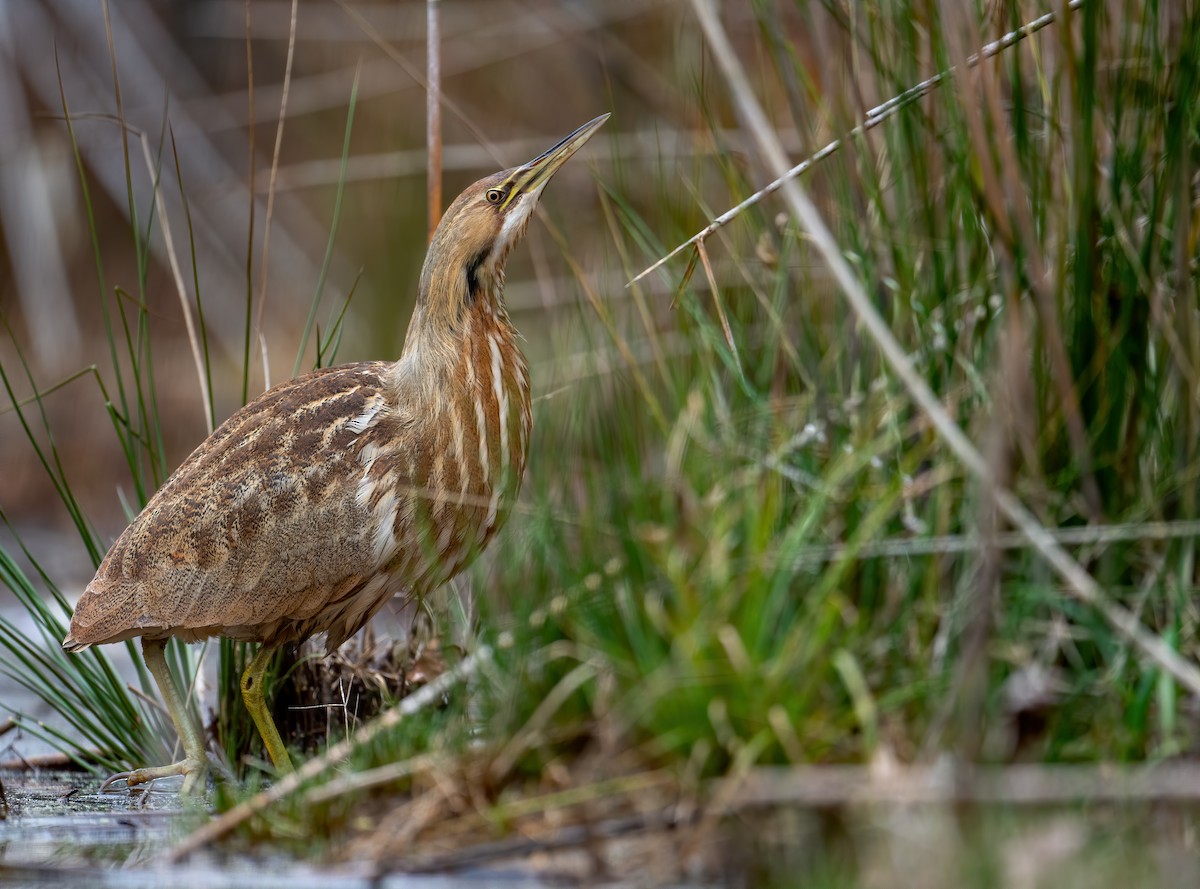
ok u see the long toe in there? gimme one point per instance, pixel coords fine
(192, 771)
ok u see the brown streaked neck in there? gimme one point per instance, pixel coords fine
(453, 288)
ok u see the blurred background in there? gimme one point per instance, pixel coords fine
(739, 544)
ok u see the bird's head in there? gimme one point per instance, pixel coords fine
(466, 257)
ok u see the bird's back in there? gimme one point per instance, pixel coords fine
(260, 528)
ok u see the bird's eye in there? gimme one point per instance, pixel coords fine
(494, 195)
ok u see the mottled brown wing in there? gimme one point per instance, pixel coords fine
(260, 527)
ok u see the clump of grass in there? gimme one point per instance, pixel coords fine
(106, 726)
(113, 727)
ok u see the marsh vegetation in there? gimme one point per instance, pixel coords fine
(895, 468)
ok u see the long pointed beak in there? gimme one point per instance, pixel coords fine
(533, 176)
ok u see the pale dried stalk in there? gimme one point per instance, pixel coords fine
(716, 295)
(1084, 535)
(177, 276)
(356, 782)
(433, 116)
(1079, 583)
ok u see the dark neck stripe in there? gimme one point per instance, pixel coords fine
(473, 286)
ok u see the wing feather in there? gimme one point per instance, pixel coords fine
(261, 523)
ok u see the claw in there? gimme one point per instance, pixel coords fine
(113, 779)
(192, 771)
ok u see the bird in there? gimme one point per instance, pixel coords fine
(317, 502)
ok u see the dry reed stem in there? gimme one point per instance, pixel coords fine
(1079, 582)
(250, 130)
(412, 71)
(433, 115)
(177, 277)
(288, 784)
(873, 118)
(716, 295)
(265, 263)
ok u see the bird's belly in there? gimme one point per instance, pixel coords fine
(439, 511)
(439, 488)
(443, 532)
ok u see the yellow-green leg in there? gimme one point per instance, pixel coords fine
(253, 695)
(194, 764)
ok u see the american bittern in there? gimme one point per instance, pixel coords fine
(317, 502)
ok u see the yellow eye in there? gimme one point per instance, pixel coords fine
(494, 195)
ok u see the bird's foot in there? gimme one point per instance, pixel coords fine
(193, 772)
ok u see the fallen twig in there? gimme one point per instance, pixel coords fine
(51, 761)
(568, 837)
(1025, 784)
